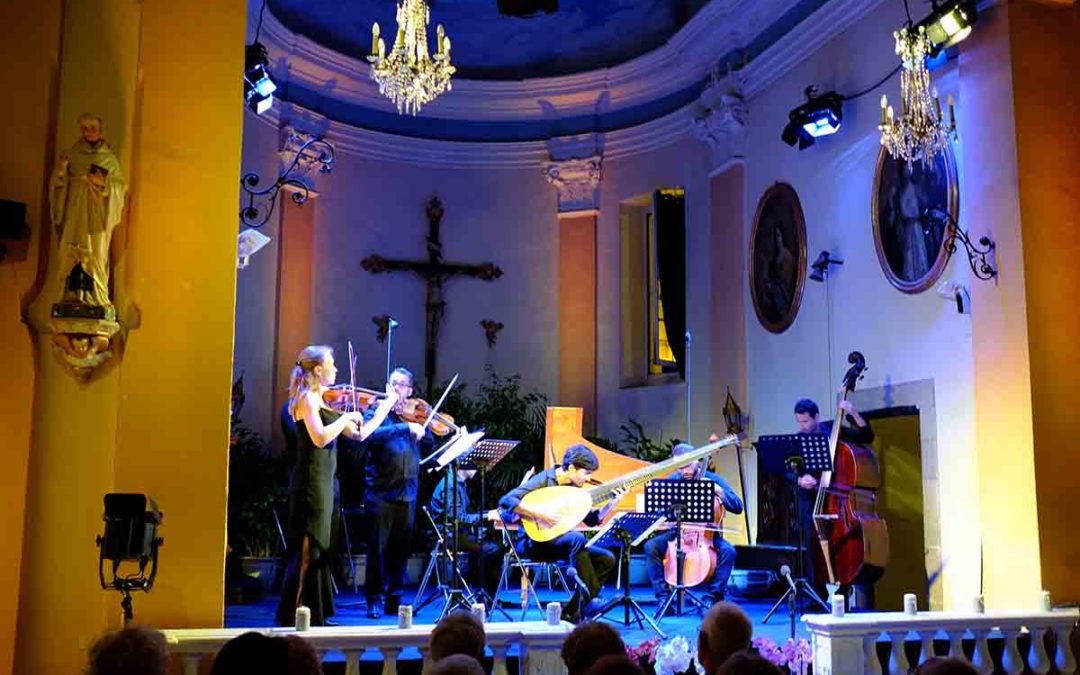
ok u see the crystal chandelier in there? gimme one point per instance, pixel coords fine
(408, 76)
(921, 131)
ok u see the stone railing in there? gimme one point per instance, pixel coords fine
(848, 645)
(538, 644)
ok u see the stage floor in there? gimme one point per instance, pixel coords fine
(351, 608)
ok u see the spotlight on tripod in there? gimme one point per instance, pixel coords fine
(130, 536)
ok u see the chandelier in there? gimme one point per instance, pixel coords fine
(408, 76)
(920, 132)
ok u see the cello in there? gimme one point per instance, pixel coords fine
(699, 556)
(854, 539)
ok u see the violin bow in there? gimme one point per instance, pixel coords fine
(435, 408)
(352, 377)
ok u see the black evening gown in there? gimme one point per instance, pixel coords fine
(311, 509)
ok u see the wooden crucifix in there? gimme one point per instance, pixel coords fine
(435, 272)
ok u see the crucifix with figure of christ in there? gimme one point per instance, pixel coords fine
(435, 272)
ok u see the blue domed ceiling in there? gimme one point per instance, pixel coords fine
(581, 35)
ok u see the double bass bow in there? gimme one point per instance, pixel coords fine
(854, 539)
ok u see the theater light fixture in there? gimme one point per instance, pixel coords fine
(259, 87)
(819, 116)
(948, 23)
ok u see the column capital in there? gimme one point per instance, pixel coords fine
(577, 181)
(308, 163)
(720, 117)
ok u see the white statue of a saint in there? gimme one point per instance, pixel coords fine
(86, 196)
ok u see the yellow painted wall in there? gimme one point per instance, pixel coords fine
(29, 54)
(167, 78)
(1045, 53)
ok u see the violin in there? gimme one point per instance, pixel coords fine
(418, 410)
(349, 398)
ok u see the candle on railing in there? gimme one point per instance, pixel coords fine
(479, 610)
(911, 604)
(838, 605)
(977, 604)
(303, 618)
(1044, 601)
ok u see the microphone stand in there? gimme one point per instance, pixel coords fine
(687, 378)
(390, 325)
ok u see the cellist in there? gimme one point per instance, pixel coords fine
(857, 430)
(657, 546)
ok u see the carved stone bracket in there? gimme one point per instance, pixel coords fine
(578, 182)
(491, 331)
(720, 117)
(290, 142)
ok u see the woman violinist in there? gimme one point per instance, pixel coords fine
(311, 495)
(656, 547)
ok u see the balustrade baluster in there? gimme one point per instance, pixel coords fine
(1038, 659)
(871, 664)
(898, 661)
(390, 655)
(981, 659)
(1063, 658)
(352, 661)
(498, 666)
(926, 649)
(1011, 661)
(191, 663)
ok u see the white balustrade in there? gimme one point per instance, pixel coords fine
(847, 645)
(538, 644)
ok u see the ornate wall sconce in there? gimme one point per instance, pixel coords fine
(313, 152)
(979, 256)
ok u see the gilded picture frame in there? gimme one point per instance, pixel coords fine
(778, 257)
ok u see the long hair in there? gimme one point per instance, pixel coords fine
(302, 380)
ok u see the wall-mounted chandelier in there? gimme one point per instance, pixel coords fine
(408, 76)
(921, 131)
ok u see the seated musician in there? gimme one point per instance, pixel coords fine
(857, 430)
(657, 546)
(593, 564)
(470, 545)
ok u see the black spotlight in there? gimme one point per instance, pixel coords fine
(819, 116)
(259, 87)
(131, 522)
(821, 266)
(526, 8)
(948, 23)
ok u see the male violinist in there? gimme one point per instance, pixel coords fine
(593, 564)
(657, 546)
(391, 470)
(857, 430)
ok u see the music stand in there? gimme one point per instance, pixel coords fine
(625, 531)
(802, 453)
(484, 456)
(690, 501)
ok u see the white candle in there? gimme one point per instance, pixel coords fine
(303, 618)
(911, 605)
(838, 605)
(977, 604)
(884, 109)
(1044, 601)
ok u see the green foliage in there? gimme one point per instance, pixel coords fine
(257, 486)
(636, 444)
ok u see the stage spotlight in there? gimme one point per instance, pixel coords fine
(821, 266)
(948, 23)
(130, 536)
(259, 87)
(819, 116)
(249, 243)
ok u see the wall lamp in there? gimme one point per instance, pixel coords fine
(979, 256)
(821, 266)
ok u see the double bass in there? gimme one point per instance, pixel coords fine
(854, 539)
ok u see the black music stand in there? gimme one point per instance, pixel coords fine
(484, 456)
(684, 501)
(802, 453)
(625, 531)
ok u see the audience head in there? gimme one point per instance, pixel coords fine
(615, 665)
(725, 630)
(457, 633)
(136, 650)
(457, 664)
(587, 643)
(941, 665)
(255, 652)
(748, 662)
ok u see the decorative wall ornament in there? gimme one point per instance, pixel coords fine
(408, 76)
(778, 257)
(86, 200)
(307, 152)
(720, 116)
(577, 182)
(491, 331)
(290, 143)
(382, 323)
(910, 241)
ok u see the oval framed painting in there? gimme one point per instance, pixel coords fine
(778, 257)
(909, 239)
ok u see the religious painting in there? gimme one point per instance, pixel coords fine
(778, 257)
(910, 205)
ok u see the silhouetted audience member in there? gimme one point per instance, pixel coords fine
(748, 662)
(615, 665)
(255, 652)
(459, 632)
(942, 665)
(587, 644)
(136, 650)
(725, 629)
(457, 664)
